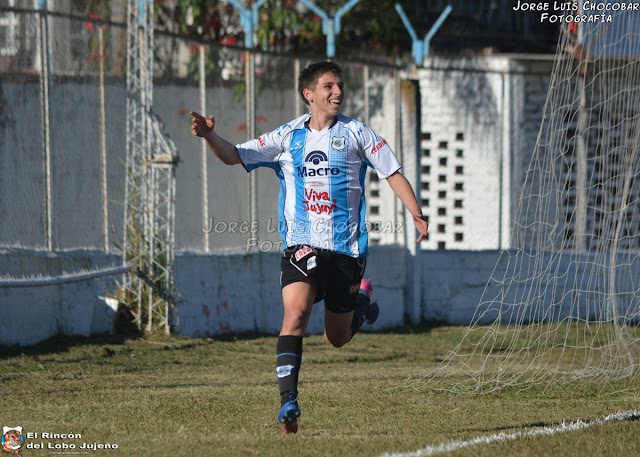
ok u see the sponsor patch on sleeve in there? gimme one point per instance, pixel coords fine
(378, 146)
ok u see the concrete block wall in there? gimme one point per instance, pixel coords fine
(479, 127)
(461, 151)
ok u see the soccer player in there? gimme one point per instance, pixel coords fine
(320, 159)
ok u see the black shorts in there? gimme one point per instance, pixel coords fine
(338, 275)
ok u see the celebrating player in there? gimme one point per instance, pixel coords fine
(320, 159)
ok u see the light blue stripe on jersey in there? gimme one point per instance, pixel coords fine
(339, 185)
(363, 236)
(300, 227)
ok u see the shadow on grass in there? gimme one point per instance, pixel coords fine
(62, 344)
(418, 329)
(503, 428)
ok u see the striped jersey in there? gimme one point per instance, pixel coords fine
(322, 175)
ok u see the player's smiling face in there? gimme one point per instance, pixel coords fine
(327, 95)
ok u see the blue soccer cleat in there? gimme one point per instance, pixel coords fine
(288, 417)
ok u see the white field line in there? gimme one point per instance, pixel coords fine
(564, 427)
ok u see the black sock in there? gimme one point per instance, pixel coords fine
(288, 360)
(362, 304)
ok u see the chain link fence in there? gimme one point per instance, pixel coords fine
(63, 115)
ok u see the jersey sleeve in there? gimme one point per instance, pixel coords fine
(262, 151)
(379, 154)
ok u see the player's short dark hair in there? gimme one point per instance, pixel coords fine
(309, 76)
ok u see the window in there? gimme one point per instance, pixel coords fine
(8, 26)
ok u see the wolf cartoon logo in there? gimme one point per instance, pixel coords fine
(12, 440)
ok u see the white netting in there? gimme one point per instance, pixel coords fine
(564, 302)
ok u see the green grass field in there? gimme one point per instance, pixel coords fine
(206, 397)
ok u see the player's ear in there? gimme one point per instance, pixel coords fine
(307, 94)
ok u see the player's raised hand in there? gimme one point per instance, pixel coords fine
(201, 125)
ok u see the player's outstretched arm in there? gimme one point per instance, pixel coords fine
(204, 128)
(404, 191)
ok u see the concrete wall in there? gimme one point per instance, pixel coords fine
(515, 286)
(236, 293)
(453, 284)
(33, 314)
(217, 294)
(222, 294)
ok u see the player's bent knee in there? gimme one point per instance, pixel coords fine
(337, 340)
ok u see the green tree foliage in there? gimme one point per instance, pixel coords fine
(372, 29)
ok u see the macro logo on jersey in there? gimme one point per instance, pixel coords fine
(316, 157)
(316, 164)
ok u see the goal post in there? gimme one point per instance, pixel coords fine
(563, 302)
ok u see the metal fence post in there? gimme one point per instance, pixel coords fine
(43, 31)
(249, 21)
(103, 145)
(204, 174)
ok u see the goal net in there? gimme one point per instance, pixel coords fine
(563, 303)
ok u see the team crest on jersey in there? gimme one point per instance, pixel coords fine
(338, 143)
